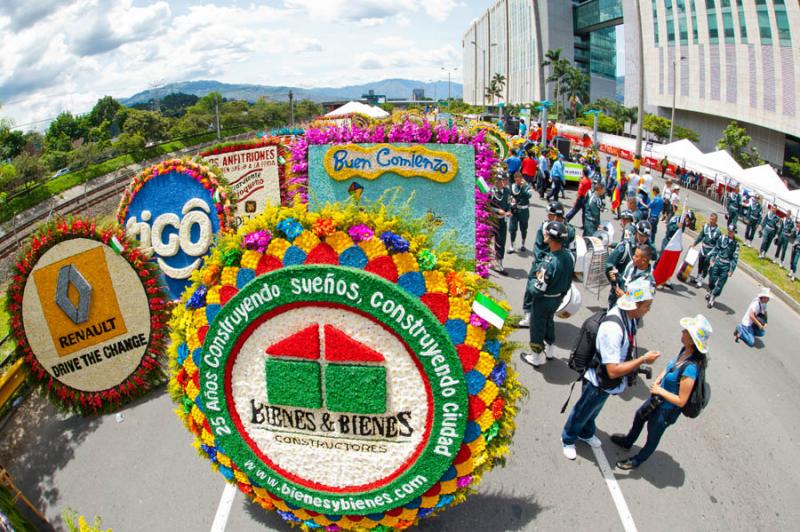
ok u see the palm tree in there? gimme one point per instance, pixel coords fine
(576, 87)
(499, 83)
(558, 69)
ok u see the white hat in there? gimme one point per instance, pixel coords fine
(765, 292)
(700, 330)
(638, 291)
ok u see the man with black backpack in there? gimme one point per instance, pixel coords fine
(680, 388)
(609, 363)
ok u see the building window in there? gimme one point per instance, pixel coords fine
(782, 21)
(713, 25)
(694, 21)
(655, 23)
(742, 23)
(683, 31)
(670, 22)
(764, 28)
(727, 25)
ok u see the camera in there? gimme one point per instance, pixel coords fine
(647, 371)
(650, 406)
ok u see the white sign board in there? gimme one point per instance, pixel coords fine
(253, 176)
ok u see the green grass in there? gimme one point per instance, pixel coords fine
(65, 182)
(776, 274)
(8, 347)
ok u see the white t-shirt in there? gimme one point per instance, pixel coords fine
(612, 343)
(756, 307)
(646, 182)
(675, 198)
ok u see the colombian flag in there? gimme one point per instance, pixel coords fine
(616, 198)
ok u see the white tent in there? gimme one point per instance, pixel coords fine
(764, 180)
(681, 152)
(722, 162)
(358, 108)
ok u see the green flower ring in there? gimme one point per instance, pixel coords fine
(231, 274)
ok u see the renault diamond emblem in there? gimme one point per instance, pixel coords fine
(69, 275)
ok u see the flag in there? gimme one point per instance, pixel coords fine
(116, 245)
(483, 186)
(616, 198)
(669, 258)
(489, 310)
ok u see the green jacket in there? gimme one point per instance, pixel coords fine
(754, 214)
(632, 273)
(522, 197)
(554, 276)
(734, 202)
(500, 200)
(726, 251)
(591, 212)
(620, 257)
(789, 231)
(771, 223)
(708, 237)
(540, 249)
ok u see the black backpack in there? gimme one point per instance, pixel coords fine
(700, 396)
(585, 356)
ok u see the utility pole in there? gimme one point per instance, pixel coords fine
(508, 55)
(291, 108)
(637, 158)
(544, 104)
(449, 70)
(594, 113)
(674, 93)
(539, 54)
(216, 111)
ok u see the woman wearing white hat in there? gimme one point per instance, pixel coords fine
(670, 392)
(754, 321)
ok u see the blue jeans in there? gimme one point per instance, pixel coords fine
(580, 423)
(657, 423)
(748, 334)
(557, 187)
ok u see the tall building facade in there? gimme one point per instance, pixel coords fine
(722, 60)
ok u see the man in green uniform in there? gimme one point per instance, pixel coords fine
(622, 254)
(500, 202)
(520, 203)
(555, 213)
(594, 206)
(547, 289)
(628, 228)
(707, 238)
(724, 258)
(787, 234)
(734, 204)
(753, 217)
(672, 227)
(795, 251)
(770, 228)
(639, 267)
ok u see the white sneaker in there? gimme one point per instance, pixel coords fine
(511, 249)
(569, 451)
(711, 301)
(526, 321)
(549, 351)
(594, 441)
(791, 277)
(698, 282)
(534, 359)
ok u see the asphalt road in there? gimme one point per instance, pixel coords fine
(734, 468)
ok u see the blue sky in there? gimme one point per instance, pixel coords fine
(65, 54)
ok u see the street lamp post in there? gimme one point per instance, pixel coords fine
(544, 104)
(449, 70)
(475, 72)
(674, 92)
(595, 114)
(637, 158)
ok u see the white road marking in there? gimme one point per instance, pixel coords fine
(616, 491)
(224, 508)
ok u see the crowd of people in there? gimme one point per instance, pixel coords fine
(641, 207)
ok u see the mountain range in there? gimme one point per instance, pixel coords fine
(393, 89)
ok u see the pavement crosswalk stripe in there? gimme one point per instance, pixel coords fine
(224, 508)
(616, 491)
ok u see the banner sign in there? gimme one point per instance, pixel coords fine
(254, 176)
(439, 179)
(371, 162)
(573, 171)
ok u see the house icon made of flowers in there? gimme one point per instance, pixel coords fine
(353, 374)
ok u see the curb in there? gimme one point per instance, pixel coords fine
(761, 279)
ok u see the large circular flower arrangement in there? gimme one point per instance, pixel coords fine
(376, 247)
(59, 241)
(407, 132)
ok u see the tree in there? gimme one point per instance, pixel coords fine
(557, 71)
(29, 170)
(105, 110)
(11, 143)
(793, 167)
(88, 153)
(736, 140)
(129, 143)
(306, 109)
(148, 124)
(605, 123)
(495, 88)
(659, 126)
(62, 131)
(575, 85)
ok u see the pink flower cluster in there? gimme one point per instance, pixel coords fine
(410, 133)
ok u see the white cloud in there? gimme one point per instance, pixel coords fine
(394, 42)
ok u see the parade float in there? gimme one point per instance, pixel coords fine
(337, 359)
(88, 313)
(175, 209)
